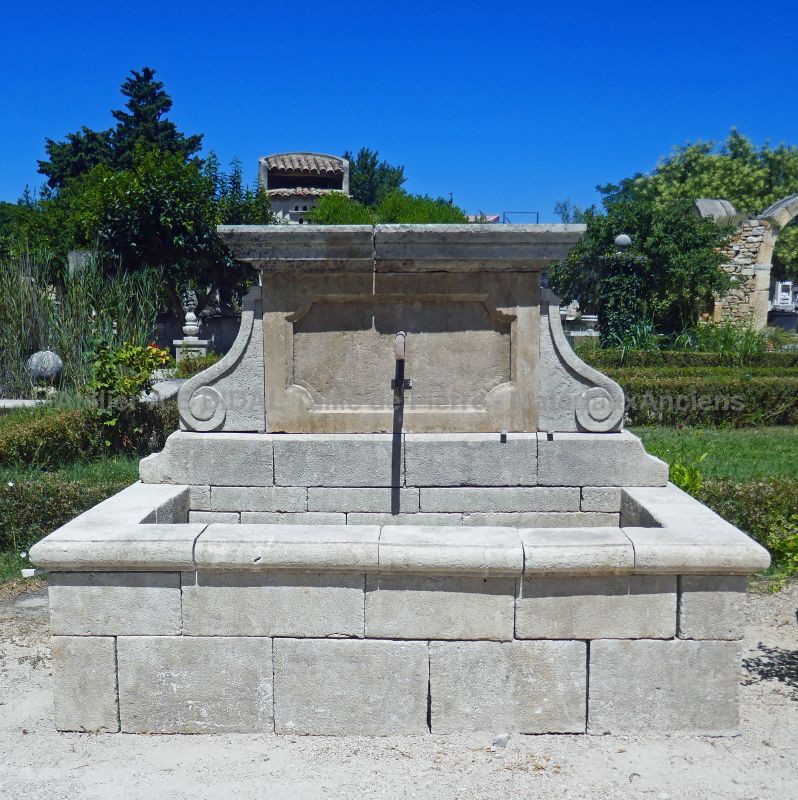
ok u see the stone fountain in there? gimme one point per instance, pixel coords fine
(399, 504)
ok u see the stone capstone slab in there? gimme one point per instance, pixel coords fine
(338, 460)
(350, 687)
(296, 604)
(307, 547)
(597, 459)
(526, 687)
(471, 459)
(711, 606)
(596, 607)
(439, 607)
(663, 687)
(515, 499)
(482, 551)
(114, 603)
(84, 683)
(183, 684)
(576, 551)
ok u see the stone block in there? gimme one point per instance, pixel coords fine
(258, 498)
(350, 687)
(208, 517)
(479, 551)
(518, 687)
(299, 518)
(439, 607)
(658, 687)
(337, 460)
(316, 548)
(597, 607)
(182, 684)
(213, 459)
(711, 606)
(545, 519)
(114, 603)
(375, 500)
(200, 498)
(514, 499)
(601, 498)
(576, 551)
(297, 604)
(404, 519)
(597, 459)
(84, 683)
(471, 459)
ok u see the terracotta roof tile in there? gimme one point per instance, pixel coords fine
(305, 164)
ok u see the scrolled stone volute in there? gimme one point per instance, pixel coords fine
(573, 396)
(229, 395)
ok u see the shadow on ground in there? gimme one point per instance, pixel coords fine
(774, 664)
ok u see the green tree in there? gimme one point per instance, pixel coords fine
(396, 206)
(678, 260)
(751, 177)
(143, 120)
(371, 179)
(568, 212)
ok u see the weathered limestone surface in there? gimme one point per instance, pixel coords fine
(471, 460)
(545, 519)
(404, 519)
(663, 686)
(439, 607)
(338, 687)
(215, 459)
(363, 500)
(182, 684)
(482, 551)
(298, 604)
(529, 687)
(114, 603)
(711, 606)
(514, 499)
(84, 683)
(298, 518)
(207, 517)
(601, 498)
(200, 498)
(259, 498)
(603, 607)
(312, 547)
(337, 460)
(597, 459)
(576, 551)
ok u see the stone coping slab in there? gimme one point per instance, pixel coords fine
(143, 528)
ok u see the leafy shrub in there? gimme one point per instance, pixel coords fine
(32, 508)
(188, 367)
(710, 398)
(687, 475)
(634, 357)
(50, 437)
(766, 510)
(396, 206)
(336, 208)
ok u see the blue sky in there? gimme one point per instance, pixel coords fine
(508, 105)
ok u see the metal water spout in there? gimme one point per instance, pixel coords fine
(400, 383)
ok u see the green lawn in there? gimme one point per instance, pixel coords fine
(744, 454)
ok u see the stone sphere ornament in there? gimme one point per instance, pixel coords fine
(45, 365)
(623, 242)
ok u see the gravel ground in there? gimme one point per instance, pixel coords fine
(761, 763)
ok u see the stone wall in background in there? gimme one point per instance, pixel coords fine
(746, 302)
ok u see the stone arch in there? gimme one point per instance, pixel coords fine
(749, 256)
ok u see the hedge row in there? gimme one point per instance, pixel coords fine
(52, 437)
(32, 508)
(724, 399)
(766, 510)
(604, 359)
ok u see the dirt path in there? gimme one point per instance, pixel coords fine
(761, 764)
